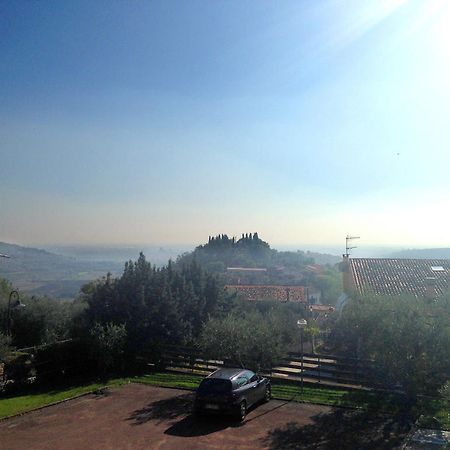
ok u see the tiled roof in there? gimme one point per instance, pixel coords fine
(400, 276)
(270, 292)
(322, 308)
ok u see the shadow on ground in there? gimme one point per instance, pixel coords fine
(191, 426)
(342, 429)
(161, 410)
(180, 407)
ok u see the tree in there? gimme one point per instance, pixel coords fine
(107, 345)
(5, 348)
(156, 306)
(251, 341)
(407, 337)
(43, 321)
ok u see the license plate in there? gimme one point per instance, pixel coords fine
(211, 406)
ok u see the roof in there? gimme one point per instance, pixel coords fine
(226, 374)
(247, 269)
(386, 276)
(322, 308)
(280, 293)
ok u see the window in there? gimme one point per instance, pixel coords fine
(242, 380)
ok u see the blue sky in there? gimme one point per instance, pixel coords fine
(165, 122)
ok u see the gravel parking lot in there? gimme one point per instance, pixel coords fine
(144, 417)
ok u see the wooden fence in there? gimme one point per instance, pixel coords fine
(326, 370)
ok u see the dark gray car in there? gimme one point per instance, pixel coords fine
(231, 391)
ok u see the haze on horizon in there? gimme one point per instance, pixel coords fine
(165, 122)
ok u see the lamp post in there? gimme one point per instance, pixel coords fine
(12, 305)
(301, 323)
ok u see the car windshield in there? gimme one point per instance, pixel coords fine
(214, 386)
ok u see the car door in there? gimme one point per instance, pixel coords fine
(243, 388)
(253, 387)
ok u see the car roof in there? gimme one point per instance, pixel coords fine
(227, 374)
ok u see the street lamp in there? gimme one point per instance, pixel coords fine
(12, 305)
(301, 323)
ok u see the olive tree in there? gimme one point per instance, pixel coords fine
(408, 338)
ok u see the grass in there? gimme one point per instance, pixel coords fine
(172, 380)
(36, 398)
(435, 412)
(332, 397)
(364, 400)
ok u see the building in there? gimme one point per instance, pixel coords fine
(254, 292)
(394, 276)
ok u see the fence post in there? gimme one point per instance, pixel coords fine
(318, 365)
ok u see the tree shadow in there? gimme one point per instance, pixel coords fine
(192, 425)
(342, 429)
(161, 410)
(200, 425)
(180, 407)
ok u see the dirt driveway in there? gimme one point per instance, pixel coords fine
(145, 417)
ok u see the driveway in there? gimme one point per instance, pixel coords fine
(137, 416)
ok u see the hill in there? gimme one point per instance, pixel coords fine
(229, 256)
(423, 253)
(44, 272)
(38, 271)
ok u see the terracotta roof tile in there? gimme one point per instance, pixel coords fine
(273, 292)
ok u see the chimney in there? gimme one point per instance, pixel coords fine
(346, 274)
(430, 288)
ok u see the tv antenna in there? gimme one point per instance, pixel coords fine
(348, 242)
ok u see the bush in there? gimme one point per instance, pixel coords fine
(107, 346)
(69, 358)
(5, 348)
(253, 341)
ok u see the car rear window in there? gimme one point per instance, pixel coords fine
(214, 386)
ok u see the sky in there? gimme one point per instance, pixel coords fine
(164, 122)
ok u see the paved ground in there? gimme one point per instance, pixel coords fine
(424, 439)
(144, 417)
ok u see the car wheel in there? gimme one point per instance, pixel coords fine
(268, 394)
(242, 411)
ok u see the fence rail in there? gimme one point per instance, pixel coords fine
(313, 369)
(327, 370)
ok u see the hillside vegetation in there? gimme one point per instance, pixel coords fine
(40, 272)
(221, 253)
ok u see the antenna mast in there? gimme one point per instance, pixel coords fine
(348, 240)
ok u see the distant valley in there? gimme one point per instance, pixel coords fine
(423, 253)
(61, 271)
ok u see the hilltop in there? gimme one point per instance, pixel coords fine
(221, 253)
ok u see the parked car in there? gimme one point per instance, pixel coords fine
(231, 391)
